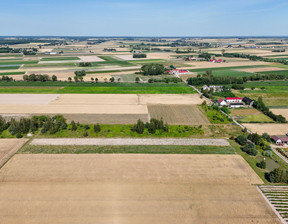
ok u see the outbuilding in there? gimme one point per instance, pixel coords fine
(279, 140)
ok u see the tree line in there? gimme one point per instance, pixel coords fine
(39, 78)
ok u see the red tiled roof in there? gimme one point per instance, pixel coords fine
(220, 100)
(233, 98)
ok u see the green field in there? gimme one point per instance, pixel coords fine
(256, 118)
(230, 72)
(29, 149)
(18, 62)
(95, 88)
(10, 67)
(60, 58)
(283, 72)
(49, 65)
(12, 73)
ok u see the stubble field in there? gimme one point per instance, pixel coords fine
(125, 188)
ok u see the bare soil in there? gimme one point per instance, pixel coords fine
(264, 69)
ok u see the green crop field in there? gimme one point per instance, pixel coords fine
(49, 65)
(95, 88)
(18, 62)
(169, 149)
(125, 78)
(10, 67)
(283, 72)
(60, 58)
(230, 72)
(12, 73)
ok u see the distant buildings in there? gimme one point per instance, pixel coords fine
(50, 53)
(232, 102)
(217, 61)
(178, 71)
(213, 88)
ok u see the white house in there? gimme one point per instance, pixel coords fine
(221, 102)
(234, 100)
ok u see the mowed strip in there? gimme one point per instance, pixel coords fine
(178, 114)
(132, 188)
(129, 141)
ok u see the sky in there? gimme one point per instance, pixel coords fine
(144, 18)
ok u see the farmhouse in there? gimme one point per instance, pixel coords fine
(248, 101)
(217, 61)
(234, 100)
(214, 88)
(221, 102)
(236, 105)
(279, 140)
(196, 59)
(50, 53)
(178, 71)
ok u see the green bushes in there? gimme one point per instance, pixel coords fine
(250, 149)
(151, 126)
(275, 176)
(39, 78)
(85, 64)
(215, 115)
(241, 139)
(152, 69)
(261, 164)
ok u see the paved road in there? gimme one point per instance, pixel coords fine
(130, 141)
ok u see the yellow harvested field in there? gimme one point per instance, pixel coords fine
(89, 108)
(271, 129)
(191, 99)
(283, 112)
(8, 147)
(202, 64)
(264, 69)
(122, 188)
(178, 114)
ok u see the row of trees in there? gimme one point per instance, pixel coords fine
(166, 80)
(85, 64)
(39, 78)
(209, 79)
(260, 105)
(151, 126)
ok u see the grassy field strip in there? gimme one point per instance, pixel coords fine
(60, 59)
(12, 73)
(226, 68)
(18, 63)
(147, 149)
(275, 196)
(130, 141)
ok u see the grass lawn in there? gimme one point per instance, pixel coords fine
(250, 116)
(127, 149)
(214, 116)
(96, 88)
(60, 58)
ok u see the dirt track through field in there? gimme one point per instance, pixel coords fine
(8, 147)
(211, 189)
(129, 141)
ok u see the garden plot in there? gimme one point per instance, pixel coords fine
(178, 114)
(129, 188)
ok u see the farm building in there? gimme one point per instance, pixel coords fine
(221, 102)
(214, 88)
(236, 105)
(178, 71)
(279, 140)
(248, 101)
(50, 53)
(196, 59)
(234, 100)
(217, 61)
